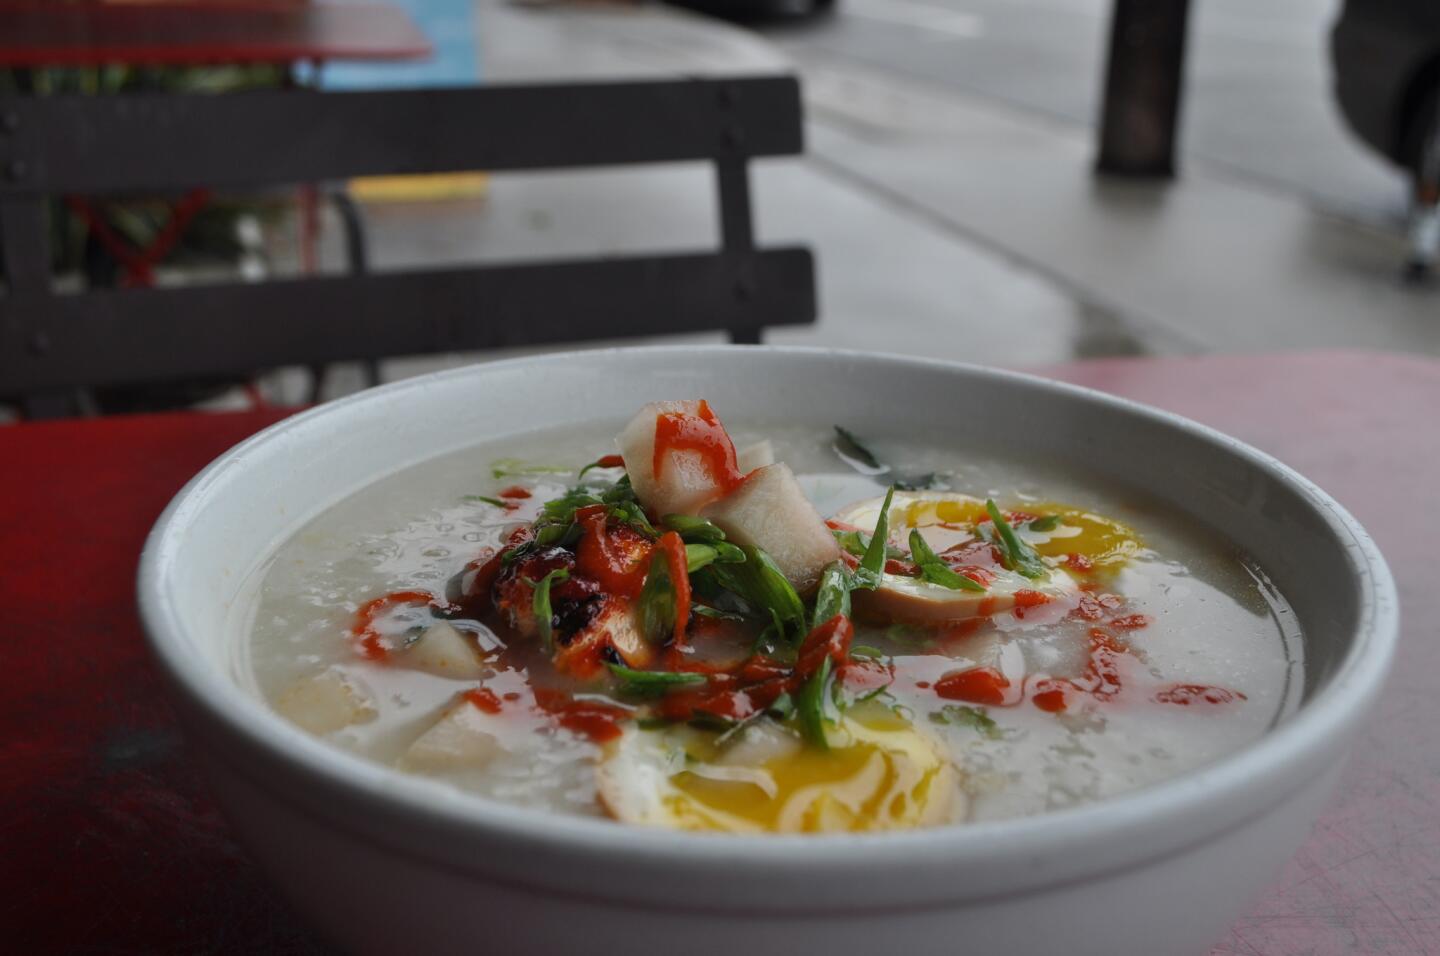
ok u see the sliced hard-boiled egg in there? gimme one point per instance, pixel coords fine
(879, 773)
(1101, 541)
(947, 521)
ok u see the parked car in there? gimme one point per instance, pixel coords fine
(1386, 56)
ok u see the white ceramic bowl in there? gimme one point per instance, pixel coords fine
(386, 863)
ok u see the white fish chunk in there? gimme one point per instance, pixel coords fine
(684, 483)
(326, 702)
(770, 511)
(443, 651)
(464, 738)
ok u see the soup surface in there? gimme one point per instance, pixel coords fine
(695, 637)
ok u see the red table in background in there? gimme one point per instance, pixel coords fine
(111, 843)
(45, 33)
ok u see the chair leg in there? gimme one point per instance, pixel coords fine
(1425, 208)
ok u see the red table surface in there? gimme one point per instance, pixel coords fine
(55, 33)
(111, 842)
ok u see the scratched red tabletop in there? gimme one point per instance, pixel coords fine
(111, 842)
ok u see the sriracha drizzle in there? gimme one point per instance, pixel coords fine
(702, 434)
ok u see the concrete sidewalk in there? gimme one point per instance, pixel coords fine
(942, 225)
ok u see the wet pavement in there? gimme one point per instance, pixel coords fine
(1258, 106)
(946, 222)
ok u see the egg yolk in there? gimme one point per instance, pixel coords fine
(879, 774)
(1104, 541)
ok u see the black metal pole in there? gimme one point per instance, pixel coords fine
(1142, 88)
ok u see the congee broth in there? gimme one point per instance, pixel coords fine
(769, 629)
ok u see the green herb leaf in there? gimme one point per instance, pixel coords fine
(511, 467)
(872, 565)
(934, 570)
(622, 490)
(693, 529)
(632, 514)
(540, 604)
(961, 715)
(564, 507)
(1047, 523)
(760, 582)
(488, 500)
(930, 481)
(852, 541)
(833, 596)
(655, 608)
(910, 635)
(595, 464)
(810, 706)
(847, 446)
(697, 556)
(866, 652)
(726, 553)
(704, 720)
(652, 683)
(1015, 554)
(705, 610)
(782, 707)
(857, 541)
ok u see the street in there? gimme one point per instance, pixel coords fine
(1258, 105)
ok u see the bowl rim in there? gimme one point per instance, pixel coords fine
(1265, 767)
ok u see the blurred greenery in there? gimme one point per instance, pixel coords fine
(211, 235)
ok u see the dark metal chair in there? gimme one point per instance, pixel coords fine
(54, 345)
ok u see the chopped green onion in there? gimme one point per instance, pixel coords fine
(632, 514)
(852, 541)
(833, 596)
(693, 529)
(961, 715)
(511, 467)
(782, 707)
(704, 720)
(866, 653)
(726, 553)
(857, 541)
(544, 616)
(849, 447)
(597, 464)
(810, 706)
(872, 565)
(698, 556)
(934, 570)
(655, 608)
(930, 481)
(1015, 554)
(1047, 523)
(652, 683)
(488, 500)
(705, 610)
(760, 582)
(622, 490)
